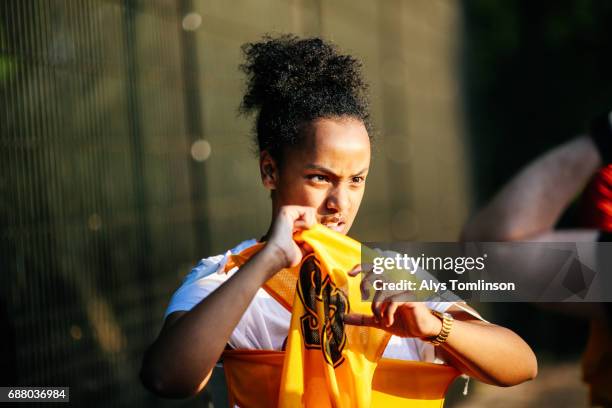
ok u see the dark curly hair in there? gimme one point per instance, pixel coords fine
(292, 81)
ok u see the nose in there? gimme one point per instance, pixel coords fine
(338, 199)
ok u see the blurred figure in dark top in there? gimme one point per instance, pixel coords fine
(529, 206)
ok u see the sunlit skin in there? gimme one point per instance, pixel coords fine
(326, 172)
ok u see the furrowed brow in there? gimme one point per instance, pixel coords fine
(321, 169)
(360, 172)
(330, 172)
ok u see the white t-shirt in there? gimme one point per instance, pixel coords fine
(265, 323)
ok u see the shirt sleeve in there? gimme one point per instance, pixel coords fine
(263, 325)
(199, 283)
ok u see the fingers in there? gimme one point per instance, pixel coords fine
(389, 317)
(299, 225)
(305, 215)
(309, 217)
(377, 304)
(297, 212)
(357, 269)
(367, 281)
(385, 306)
(300, 217)
(357, 319)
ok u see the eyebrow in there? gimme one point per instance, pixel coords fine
(328, 171)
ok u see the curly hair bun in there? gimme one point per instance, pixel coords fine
(291, 81)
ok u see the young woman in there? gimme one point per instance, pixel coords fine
(313, 139)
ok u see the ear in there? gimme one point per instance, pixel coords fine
(268, 170)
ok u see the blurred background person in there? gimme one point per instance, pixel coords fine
(529, 207)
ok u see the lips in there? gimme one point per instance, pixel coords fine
(335, 225)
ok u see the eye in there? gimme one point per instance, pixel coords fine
(318, 178)
(358, 179)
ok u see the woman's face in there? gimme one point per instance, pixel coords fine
(327, 171)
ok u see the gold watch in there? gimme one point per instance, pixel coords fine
(447, 324)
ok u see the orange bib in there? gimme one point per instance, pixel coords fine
(328, 364)
(254, 376)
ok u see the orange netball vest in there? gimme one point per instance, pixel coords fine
(328, 364)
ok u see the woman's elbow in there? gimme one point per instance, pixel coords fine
(533, 369)
(166, 389)
(153, 383)
(527, 373)
(165, 385)
(531, 365)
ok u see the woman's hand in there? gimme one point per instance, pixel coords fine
(400, 318)
(490, 353)
(290, 219)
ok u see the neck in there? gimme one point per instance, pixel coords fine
(266, 236)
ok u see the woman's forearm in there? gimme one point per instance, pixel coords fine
(178, 364)
(489, 353)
